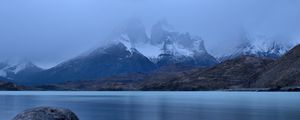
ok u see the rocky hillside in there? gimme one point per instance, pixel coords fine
(232, 74)
(241, 73)
(236, 73)
(284, 72)
(133, 81)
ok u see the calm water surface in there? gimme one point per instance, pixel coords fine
(159, 105)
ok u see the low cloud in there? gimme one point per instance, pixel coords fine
(51, 31)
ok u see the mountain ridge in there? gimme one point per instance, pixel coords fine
(284, 72)
(125, 53)
(131, 51)
(18, 70)
(260, 46)
(251, 73)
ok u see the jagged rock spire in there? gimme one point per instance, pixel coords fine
(168, 47)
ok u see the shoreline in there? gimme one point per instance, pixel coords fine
(36, 92)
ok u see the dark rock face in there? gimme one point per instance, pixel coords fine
(46, 113)
(284, 72)
(162, 34)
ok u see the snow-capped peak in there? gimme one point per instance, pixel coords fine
(199, 46)
(269, 45)
(22, 65)
(163, 41)
(124, 39)
(14, 67)
(168, 47)
(261, 46)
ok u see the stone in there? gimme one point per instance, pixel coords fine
(46, 113)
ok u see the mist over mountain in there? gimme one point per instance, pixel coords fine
(260, 46)
(48, 32)
(129, 50)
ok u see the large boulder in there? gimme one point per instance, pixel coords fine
(46, 113)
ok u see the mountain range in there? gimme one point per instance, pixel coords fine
(164, 60)
(240, 73)
(130, 50)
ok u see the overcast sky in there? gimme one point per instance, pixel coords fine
(50, 31)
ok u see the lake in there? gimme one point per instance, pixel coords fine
(159, 105)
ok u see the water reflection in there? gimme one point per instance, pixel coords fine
(162, 105)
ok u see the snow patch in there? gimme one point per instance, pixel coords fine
(20, 67)
(14, 67)
(262, 46)
(124, 39)
(149, 50)
(181, 51)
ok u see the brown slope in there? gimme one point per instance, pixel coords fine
(241, 72)
(284, 72)
(120, 82)
(235, 73)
